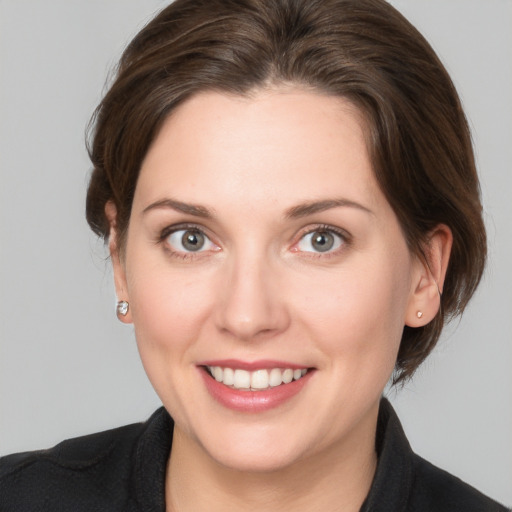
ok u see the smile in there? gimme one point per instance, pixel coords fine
(257, 380)
(256, 386)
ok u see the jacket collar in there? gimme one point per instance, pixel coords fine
(393, 478)
(151, 455)
(389, 491)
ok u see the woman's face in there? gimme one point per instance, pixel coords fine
(260, 249)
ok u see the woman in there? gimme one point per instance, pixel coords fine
(289, 195)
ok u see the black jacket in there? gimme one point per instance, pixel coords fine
(124, 470)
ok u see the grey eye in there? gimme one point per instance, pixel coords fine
(320, 241)
(189, 240)
(192, 240)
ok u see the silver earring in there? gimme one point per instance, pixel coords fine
(419, 314)
(122, 308)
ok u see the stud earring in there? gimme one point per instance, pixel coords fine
(419, 314)
(122, 309)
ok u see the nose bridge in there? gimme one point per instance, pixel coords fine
(250, 303)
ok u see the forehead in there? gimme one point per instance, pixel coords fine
(280, 144)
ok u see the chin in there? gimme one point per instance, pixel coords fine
(261, 461)
(256, 450)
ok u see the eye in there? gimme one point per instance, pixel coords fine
(189, 240)
(322, 240)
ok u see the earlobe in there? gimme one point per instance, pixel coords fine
(122, 306)
(428, 278)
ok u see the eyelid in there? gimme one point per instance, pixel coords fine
(345, 237)
(169, 230)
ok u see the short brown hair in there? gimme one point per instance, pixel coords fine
(363, 50)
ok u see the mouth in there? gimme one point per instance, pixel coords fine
(257, 380)
(254, 387)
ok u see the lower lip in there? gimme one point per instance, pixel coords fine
(253, 401)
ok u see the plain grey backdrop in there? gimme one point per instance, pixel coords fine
(67, 367)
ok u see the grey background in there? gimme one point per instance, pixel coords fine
(67, 367)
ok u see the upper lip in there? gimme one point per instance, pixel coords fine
(250, 366)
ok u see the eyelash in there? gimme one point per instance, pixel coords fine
(346, 240)
(345, 237)
(169, 230)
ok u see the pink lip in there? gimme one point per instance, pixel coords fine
(253, 401)
(264, 364)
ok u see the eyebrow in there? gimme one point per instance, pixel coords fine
(312, 207)
(295, 212)
(192, 209)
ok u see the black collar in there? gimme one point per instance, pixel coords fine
(152, 453)
(392, 481)
(389, 491)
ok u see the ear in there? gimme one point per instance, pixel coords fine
(117, 263)
(428, 277)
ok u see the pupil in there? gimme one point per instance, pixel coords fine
(323, 241)
(192, 240)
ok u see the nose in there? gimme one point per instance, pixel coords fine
(251, 304)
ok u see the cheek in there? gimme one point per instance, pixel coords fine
(169, 312)
(169, 309)
(357, 315)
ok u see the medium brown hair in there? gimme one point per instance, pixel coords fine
(362, 50)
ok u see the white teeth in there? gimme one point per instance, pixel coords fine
(276, 377)
(217, 374)
(229, 376)
(242, 379)
(287, 376)
(257, 380)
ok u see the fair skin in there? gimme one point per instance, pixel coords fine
(300, 260)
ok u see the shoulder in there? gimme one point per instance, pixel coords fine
(405, 482)
(435, 489)
(77, 474)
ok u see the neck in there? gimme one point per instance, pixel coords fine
(337, 479)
